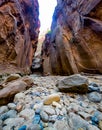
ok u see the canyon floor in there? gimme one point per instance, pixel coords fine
(44, 107)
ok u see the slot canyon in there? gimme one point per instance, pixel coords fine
(53, 82)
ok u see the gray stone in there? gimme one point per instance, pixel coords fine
(57, 111)
(98, 115)
(90, 110)
(19, 97)
(75, 83)
(50, 128)
(44, 116)
(66, 102)
(3, 109)
(64, 111)
(38, 106)
(34, 127)
(1, 128)
(27, 113)
(13, 122)
(92, 127)
(95, 97)
(92, 89)
(85, 115)
(94, 84)
(61, 125)
(61, 113)
(73, 107)
(52, 118)
(9, 114)
(12, 106)
(49, 110)
(36, 65)
(1, 122)
(6, 128)
(77, 123)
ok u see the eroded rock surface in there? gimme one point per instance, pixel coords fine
(76, 38)
(74, 83)
(19, 29)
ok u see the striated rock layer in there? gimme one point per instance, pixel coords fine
(76, 38)
(19, 29)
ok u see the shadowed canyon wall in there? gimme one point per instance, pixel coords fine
(19, 30)
(75, 42)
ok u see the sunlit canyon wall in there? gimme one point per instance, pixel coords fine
(75, 42)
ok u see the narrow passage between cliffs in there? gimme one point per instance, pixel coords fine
(46, 10)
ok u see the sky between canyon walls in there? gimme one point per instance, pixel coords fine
(46, 9)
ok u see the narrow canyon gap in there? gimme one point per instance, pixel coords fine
(46, 10)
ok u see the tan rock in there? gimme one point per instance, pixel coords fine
(28, 80)
(100, 107)
(49, 99)
(19, 107)
(80, 129)
(100, 125)
(55, 104)
(50, 128)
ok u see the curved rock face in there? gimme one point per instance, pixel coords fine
(19, 29)
(76, 37)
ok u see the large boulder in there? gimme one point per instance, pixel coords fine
(12, 85)
(76, 38)
(19, 29)
(74, 83)
(12, 88)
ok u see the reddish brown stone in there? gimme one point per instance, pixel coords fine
(12, 88)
